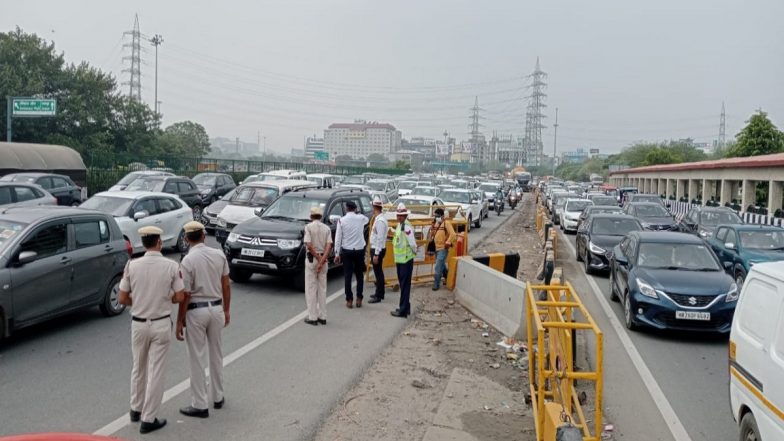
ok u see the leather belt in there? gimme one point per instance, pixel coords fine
(195, 305)
(139, 319)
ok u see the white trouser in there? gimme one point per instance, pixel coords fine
(316, 291)
(203, 329)
(150, 343)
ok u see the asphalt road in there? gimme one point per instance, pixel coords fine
(282, 376)
(689, 369)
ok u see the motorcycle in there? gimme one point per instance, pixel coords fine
(499, 206)
(512, 200)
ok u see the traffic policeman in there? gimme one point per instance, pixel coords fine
(404, 246)
(149, 286)
(205, 273)
(318, 242)
(378, 248)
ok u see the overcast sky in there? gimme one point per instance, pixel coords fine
(289, 68)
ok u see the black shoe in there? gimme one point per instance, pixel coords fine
(397, 313)
(194, 412)
(219, 404)
(375, 299)
(322, 321)
(135, 416)
(436, 288)
(153, 426)
(312, 322)
(359, 303)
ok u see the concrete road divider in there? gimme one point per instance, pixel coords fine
(505, 263)
(491, 295)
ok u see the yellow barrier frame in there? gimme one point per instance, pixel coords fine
(554, 323)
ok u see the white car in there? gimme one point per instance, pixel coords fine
(132, 176)
(136, 209)
(20, 193)
(470, 202)
(404, 188)
(570, 214)
(385, 186)
(489, 189)
(420, 206)
(424, 190)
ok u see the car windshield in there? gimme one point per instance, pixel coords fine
(229, 195)
(407, 185)
(127, 179)
(654, 199)
(110, 205)
(651, 211)
(377, 186)
(315, 180)
(424, 191)
(255, 196)
(354, 180)
(488, 188)
(271, 178)
(205, 180)
(297, 208)
(762, 240)
(577, 205)
(677, 256)
(146, 185)
(416, 206)
(9, 230)
(604, 200)
(614, 227)
(604, 210)
(460, 197)
(713, 218)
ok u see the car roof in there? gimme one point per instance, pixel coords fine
(637, 195)
(122, 194)
(771, 269)
(279, 184)
(34, 174)
(643, 204)
(419, 197)
(668, 237)
(323, 193)
(29, 214)
(612, 216)
(211, 174)
(376, 180)
(604, 207)
(19, 184)
(460, 190)
(425, 186)
(577, 199)
(752, 227)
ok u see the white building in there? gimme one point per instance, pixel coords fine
(313, 145)
(361, 139)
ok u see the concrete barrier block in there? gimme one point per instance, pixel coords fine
(492, 296)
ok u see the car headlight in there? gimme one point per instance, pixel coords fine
(732, 294)
(646, 289)
(233, 237)
(222, 222)
(596, 250)
(288, 244)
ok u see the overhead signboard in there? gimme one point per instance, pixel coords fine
(33, 107)
(321, 155)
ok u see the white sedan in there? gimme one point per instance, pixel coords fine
(135, 209)
(470, 202)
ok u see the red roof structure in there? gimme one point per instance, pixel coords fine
(774, 160)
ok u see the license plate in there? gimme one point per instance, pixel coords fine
(252, 252)
(692, 315)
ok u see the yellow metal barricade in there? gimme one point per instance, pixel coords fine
(552, 326)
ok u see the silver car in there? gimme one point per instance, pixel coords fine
(20, 193)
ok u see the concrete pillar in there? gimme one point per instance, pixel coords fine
(681, 189)
(661, 187)
(669, 188)
(693, 190)
(749, 194)
(708, 190)
(726, 191)
(774, 196)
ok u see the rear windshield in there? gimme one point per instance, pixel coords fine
(713, 218)
(255, 196)
(641, 198)
(614, 227)
(456, 196)
(146, 185)
(577, 205)
(604, 200)
(762, 240)
(651, 211)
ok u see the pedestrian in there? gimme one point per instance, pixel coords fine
(318, 242)
(150, 284)
(443, 234)
(205, 273)
(378, 248)
(404, 246)
(350, 245)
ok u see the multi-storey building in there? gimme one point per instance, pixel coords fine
(361, 139)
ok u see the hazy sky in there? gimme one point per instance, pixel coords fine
(618, 73)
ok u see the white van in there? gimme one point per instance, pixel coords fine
(323, 180)
(276, 175)
(756, 353)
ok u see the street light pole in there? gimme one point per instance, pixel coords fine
(555, 138)
(156, 41)
(446, 146)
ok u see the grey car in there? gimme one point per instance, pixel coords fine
(55, 260)
(22, 193)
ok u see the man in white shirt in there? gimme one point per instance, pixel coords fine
(350, 245)
(378, 248)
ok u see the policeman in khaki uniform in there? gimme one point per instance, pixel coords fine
(150, 285)
(318, 241)
(205, 273)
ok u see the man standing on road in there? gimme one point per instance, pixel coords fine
(378, 248)
(149, 286)
(405, 246)
(350, 244)
(443, 234)
(206, 276)
(318, 242)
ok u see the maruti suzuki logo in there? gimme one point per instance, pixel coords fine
(692, 301)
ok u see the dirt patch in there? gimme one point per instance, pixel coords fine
(400, 394)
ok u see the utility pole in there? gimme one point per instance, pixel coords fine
(722, 128)
(156, 41)
(555, 138)
(265, 147)
(258, 140)
(446, 146)
(238, 145)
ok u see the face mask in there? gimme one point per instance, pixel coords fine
(438, 218)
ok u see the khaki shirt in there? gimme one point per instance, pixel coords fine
(202, 270)
(151, 281)
(318, 234)
(442, 234)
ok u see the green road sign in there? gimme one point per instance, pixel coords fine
(321, 156)
(33, 107)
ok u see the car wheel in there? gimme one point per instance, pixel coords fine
(587, 260)
(577, 254)
(239, 275)
(479, 222)
(182, 245)
(111, 306)
(748, 428)
(196, 212)
(627, 313)
(613, 294)
(740, 277)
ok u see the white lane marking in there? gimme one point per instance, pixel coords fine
(121, 422)
(666, 410)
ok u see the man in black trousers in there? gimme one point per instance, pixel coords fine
(350, 244)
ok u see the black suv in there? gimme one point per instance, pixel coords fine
(178, 185)
(703, 221)
(60, 186)
(272, 243)
(212, 186)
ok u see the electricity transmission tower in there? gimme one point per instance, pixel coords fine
(477, 139)
(134, 82)
(534, 148)
(722, 128)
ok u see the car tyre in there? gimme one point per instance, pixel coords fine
(628, 315)
(613, 293)
(577, 255)
(740, 277)
(478, 223)
(111, 306)
(239, 275)
(182, 245)
(196, 212)
(748, 428)
(587, 261)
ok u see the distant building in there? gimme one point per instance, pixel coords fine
(297, 153)
(575, 157)
(425, 146)
(361, 139)
(508, 150)
(227, 146)
(313, 145)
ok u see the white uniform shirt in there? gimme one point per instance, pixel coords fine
(202, 272)
(152, 281)
(350, 234)
(378, 236)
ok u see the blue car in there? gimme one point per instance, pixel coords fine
(739, 247)
(671, 281)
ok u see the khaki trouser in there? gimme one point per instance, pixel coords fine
(316, 290)
(150, 343)
(203, 329)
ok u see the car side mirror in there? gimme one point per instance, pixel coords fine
(727, 266)
(619, 257)
(334, 218)
(139, 215)
(729, 246)
(26, 257)
(258, 211)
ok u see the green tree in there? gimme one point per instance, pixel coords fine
(759, 137)
(377, 157)
(185, 138)
(660, 155)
